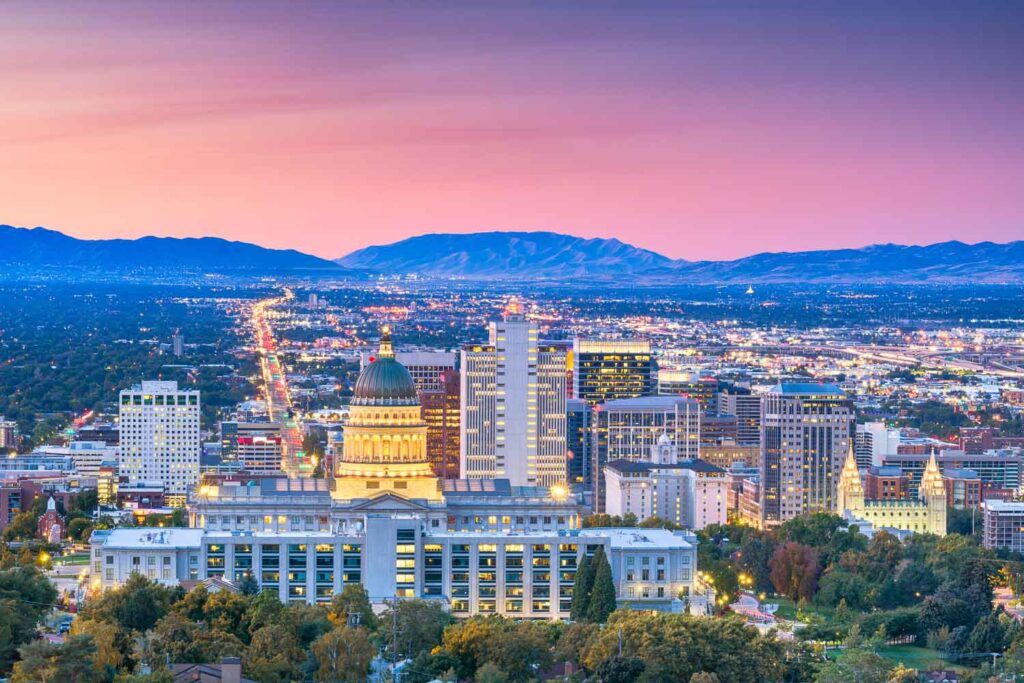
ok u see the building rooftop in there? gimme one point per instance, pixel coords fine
(807, 389)
(636, 466)
(150, 538)
(655, 402)
(637, 538)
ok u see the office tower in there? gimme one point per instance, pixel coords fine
(805, 436)
(627, 429)
(578, 441)
(440, 410)
(313, 301)
(256, 445)
(702, 389)
(513, 393)
(609, 370)
(178, 344)
(425, 367)
(8, 434)
(716, 428)
(160, 437)
(747, 409)
(872, 441)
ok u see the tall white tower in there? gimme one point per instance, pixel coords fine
(160, 441)
(513, 422)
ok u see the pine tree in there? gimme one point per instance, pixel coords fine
(602, 595)
(581, 588)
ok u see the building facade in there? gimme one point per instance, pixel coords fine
(806, 430)
(690, 493)
(159, 437)
(440, 409)
(609, 370)
(927, 514)
(256, 446)
(627, 429)
(513, 412)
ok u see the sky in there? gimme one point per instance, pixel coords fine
(702, 130)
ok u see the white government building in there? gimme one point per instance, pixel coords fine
(482, 546)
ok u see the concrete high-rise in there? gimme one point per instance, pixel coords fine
(805, 437)
(256, 445)
(609, 370)
(747, 409)
(513, 395)
(627, 429)
(160, 439)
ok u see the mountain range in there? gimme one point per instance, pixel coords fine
(520, 255)
(547, 255)
(38, 248)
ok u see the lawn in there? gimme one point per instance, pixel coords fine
(74, 559)
(914, 657)
(787, 609)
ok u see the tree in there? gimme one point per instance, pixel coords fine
(520, 649)
(137, 605)
(989, 634)
(417, 626)
(343, 655)
(79, 529)
(794, 570)
(26, 596)
(109, 640)
(352, 607)
(70, 662)
(490, 673)
(704, 677)
(620, 670)
(581, 588)
(602, 596)
(248, 585)
(857, 663)
(274, 655)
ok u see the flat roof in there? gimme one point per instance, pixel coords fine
(807, 388)
(152, 539)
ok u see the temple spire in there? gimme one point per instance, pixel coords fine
(931, 480)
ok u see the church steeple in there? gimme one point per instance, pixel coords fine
(931, 481)
(850, 493)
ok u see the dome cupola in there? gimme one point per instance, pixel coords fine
(385, 381)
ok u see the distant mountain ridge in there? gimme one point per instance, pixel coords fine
(498, 254)
(40, 248)
(548, 255)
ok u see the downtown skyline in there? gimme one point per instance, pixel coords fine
(695, 130)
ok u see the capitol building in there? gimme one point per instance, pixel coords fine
(386, 521)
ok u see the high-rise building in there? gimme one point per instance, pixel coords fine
(578, 413)
(160, 441)
(513, 393)
(440, 410)
(805, 436)
(425, 367)
(872, 442)
(256, 445)
(702, 389)
(627, 429)
(747, 409)
(8, 434)
(178, 344)
(609, 370)
(716, 428)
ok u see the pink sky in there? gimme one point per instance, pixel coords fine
(702, 130)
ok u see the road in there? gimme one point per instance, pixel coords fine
(275, 389)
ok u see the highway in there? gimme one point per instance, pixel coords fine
(275, 389)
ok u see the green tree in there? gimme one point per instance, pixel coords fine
(490, 673)
(581, 588)
(620, 670)
(70, 662)
(416, 626)
(352, 607)
(343, 655)
(602, 596)
(137, 605)
(79, 529)
(274, 655)
(26, 597)
(704, 677)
